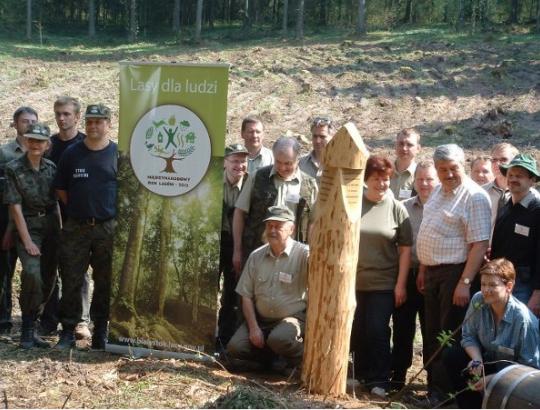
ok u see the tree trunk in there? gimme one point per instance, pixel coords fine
(133, 21)
(361, 22)
(538, 16)
(198, 21)
(160, 293)
(125, 302)
(300, 20)
(91, 18)
(176, 16)
(514, 11)
(196, 291)
(285, 17)
(332, 264)
(322, 13)
(29, 19)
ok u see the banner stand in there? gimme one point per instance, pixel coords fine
(139, 352)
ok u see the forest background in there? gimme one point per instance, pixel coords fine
(464, 71)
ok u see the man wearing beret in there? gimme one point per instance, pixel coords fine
(86, 184)
(273, 290)
(234, 176)
(34, 210)
(516, 235)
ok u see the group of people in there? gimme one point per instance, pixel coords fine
(456, 251)
(431, 237)
(57, 215)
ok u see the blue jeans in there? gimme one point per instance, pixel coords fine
(370, 339)
(522, 290)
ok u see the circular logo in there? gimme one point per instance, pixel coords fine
(170, 150)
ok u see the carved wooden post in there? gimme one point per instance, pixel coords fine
(334, 245)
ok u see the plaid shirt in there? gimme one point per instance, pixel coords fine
(451, 222)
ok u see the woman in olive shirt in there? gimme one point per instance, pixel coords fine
(383, 264)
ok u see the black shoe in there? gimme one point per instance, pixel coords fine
(66, 341)
(27, 337)
(44, 330)
(5, 328)
(99, 336)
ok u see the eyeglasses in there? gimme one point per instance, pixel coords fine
(321, 122)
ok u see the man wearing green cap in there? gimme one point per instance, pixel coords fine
(516, 235)
(86, 184)
(234, 175)
(273, 290)
(34, 210)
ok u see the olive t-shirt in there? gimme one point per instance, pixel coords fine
(384, 226)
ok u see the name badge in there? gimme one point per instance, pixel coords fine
(285, 277)
(522, 230)
(293, 198)
(405, 193)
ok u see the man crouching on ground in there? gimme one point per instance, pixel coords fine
(273, 290)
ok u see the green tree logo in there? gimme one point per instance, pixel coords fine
(171, 140)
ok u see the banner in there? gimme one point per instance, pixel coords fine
(170, 180)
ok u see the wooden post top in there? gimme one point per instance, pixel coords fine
(346, 149)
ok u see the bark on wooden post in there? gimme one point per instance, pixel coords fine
(334, 245)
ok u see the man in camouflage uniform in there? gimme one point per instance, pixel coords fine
(22, 119)
(234, 176)
(34, 210)
(86, 184)
(281, 184)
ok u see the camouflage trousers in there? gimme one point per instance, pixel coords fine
(83, 245)
(38, 274)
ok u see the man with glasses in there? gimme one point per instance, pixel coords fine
(501, 154)
(322, 131)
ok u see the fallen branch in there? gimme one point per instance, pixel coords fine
(67, 398)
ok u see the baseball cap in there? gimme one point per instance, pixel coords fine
(98, 111)
(235, 149)
(38, 131)
(279, 213)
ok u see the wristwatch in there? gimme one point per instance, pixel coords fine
(466, 281)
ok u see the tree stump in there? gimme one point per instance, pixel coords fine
(333, 258)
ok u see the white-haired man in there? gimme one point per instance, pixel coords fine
(451, 244)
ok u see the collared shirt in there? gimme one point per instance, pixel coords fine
(516, 237)
(288, 191)
(8, 152)
(264, 157)
(30, 188)
(276, 284)
(451, 222)
(230, 195)
(415, 208)
(402, 183)
(310, 165)
(514, 338)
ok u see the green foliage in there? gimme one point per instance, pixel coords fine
(226, 19)
(445, 338)
(246, 398)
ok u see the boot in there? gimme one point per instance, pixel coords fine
(99, 337)
(66, 341)
(27, 333)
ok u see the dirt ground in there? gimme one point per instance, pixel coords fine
(475, 91)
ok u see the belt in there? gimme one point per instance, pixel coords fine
(41, 213)
(91, 221)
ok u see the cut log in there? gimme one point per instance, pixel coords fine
(332, 264)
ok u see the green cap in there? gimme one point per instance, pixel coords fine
(524, 161)
(38, 131)
(235, 149)
(279, 213)
(97, 111)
